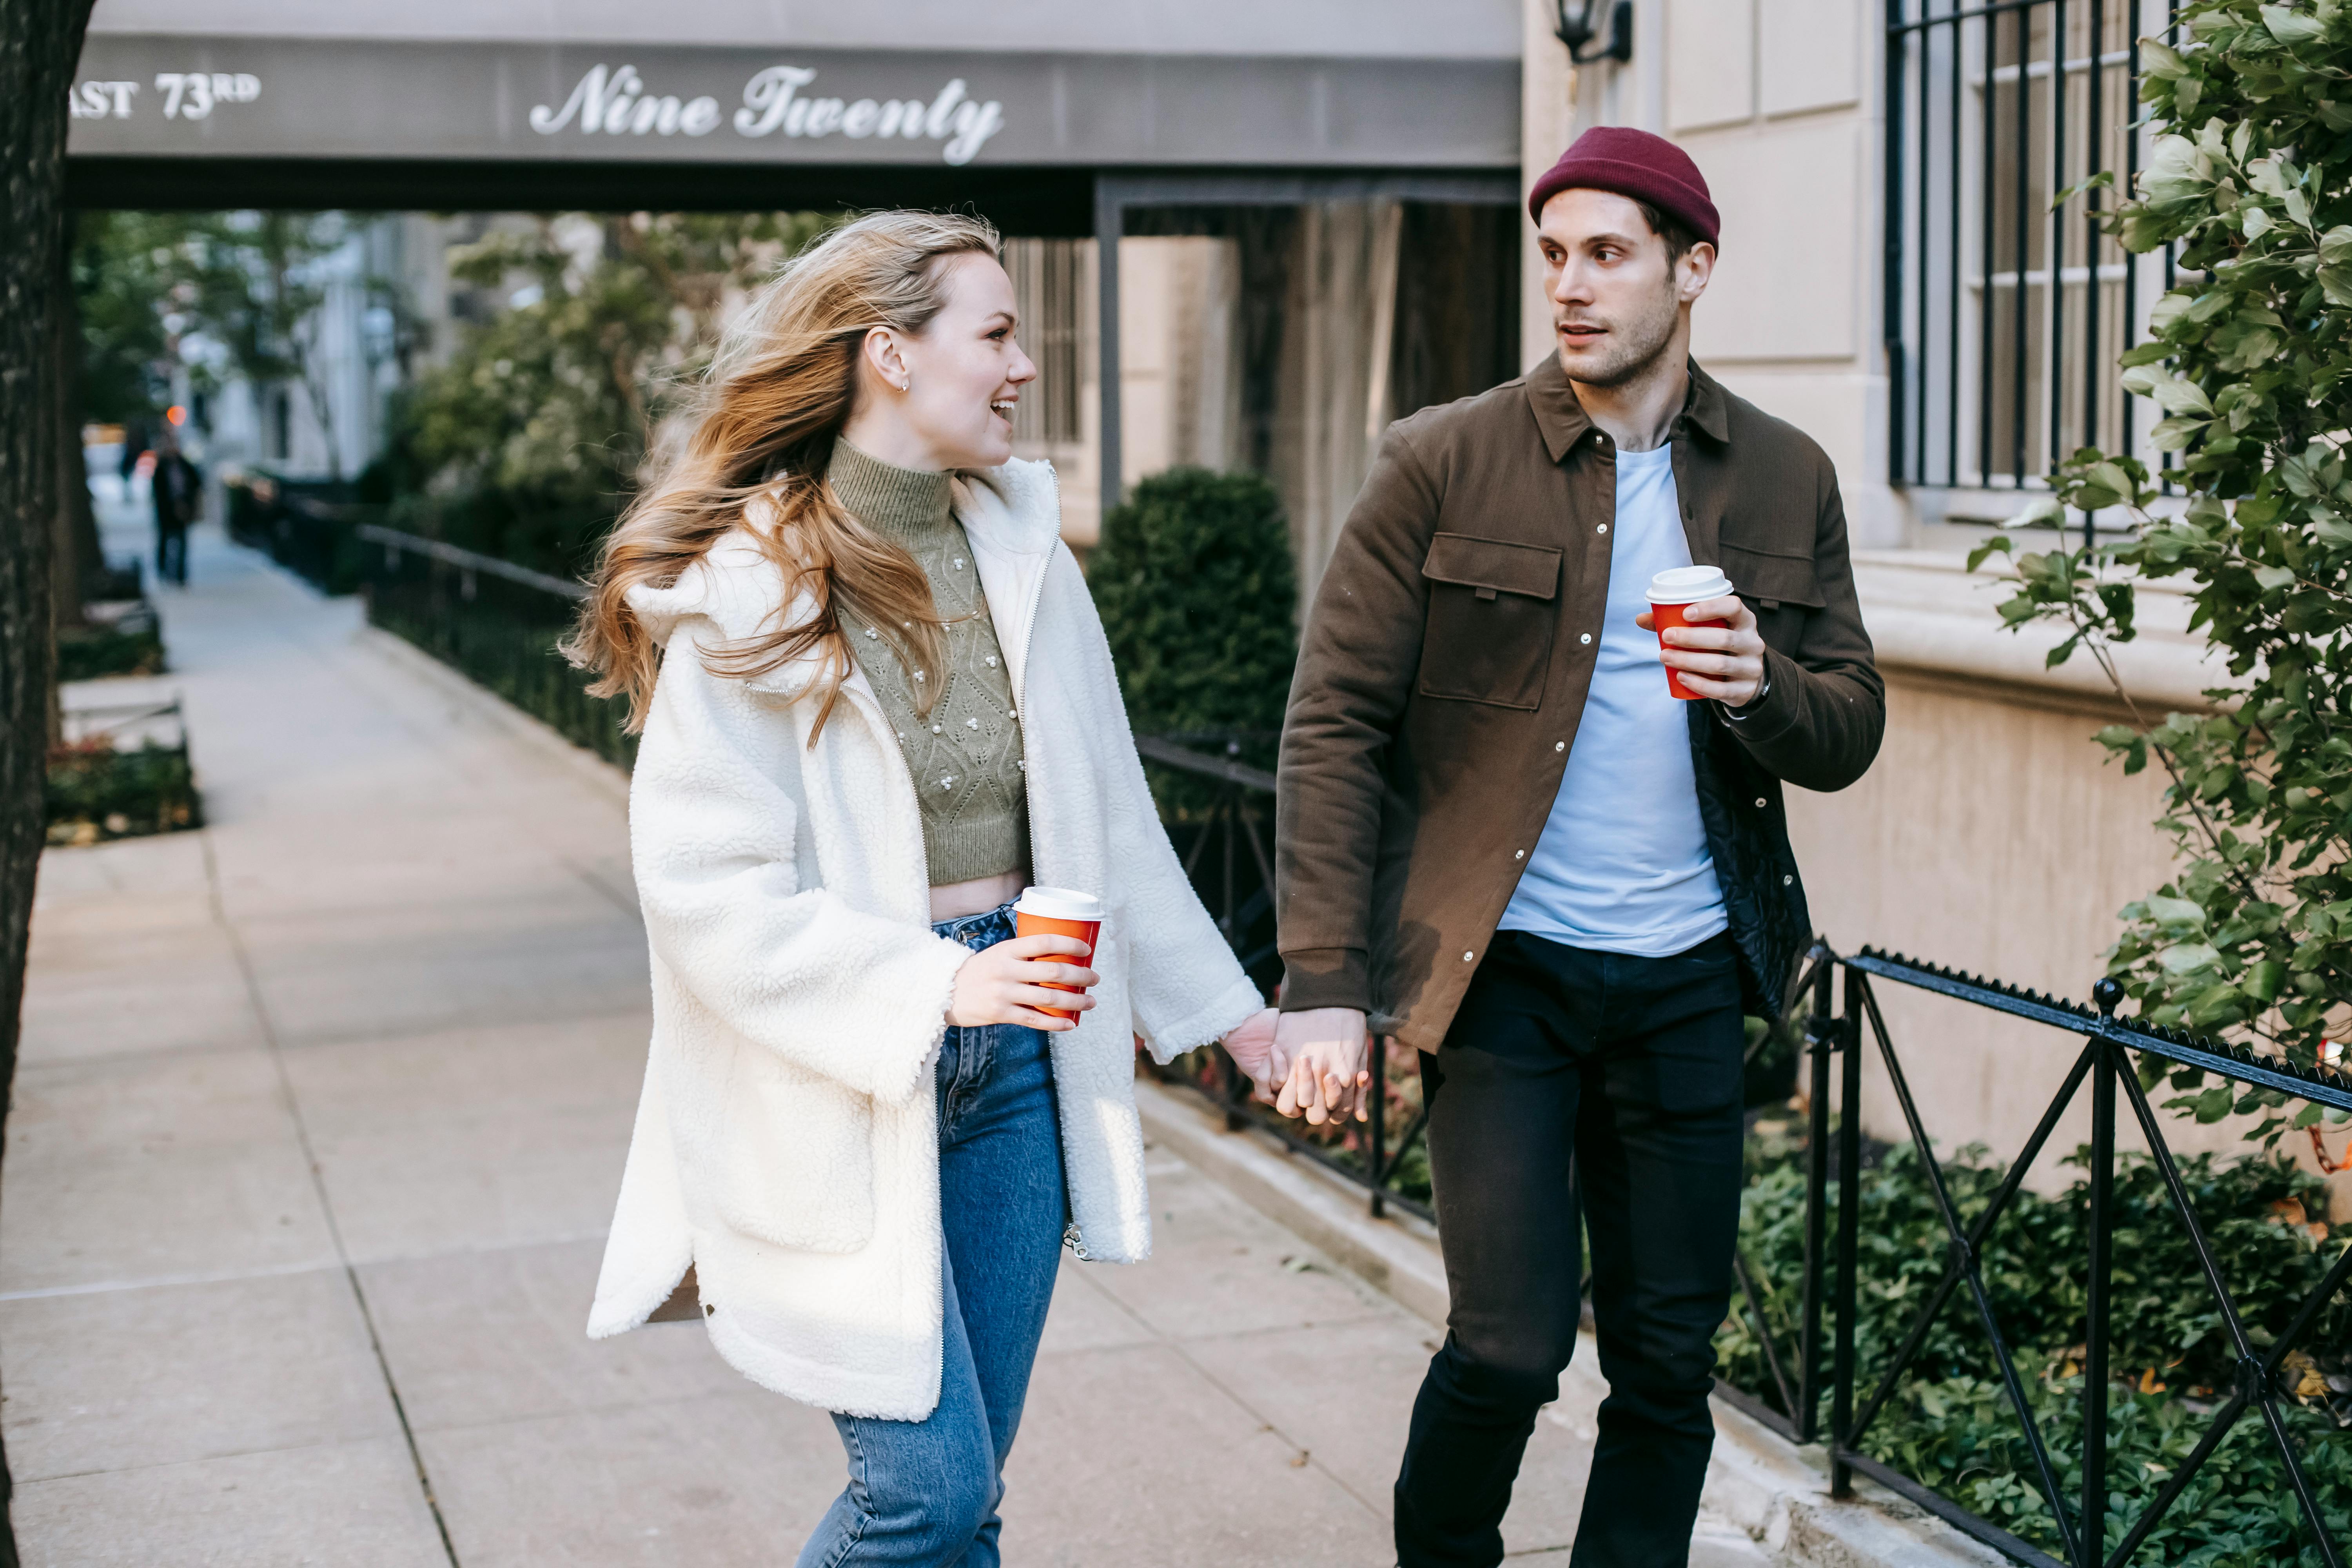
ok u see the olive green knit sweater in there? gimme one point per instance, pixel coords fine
(965, 754)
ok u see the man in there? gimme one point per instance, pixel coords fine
(178, 491)
(1505, 842)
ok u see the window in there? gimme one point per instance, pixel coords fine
(2004, 313)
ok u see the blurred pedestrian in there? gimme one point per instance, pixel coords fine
(178, 490)
(885, 709)
(1508, 838)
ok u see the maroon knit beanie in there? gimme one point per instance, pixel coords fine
(1632, 164)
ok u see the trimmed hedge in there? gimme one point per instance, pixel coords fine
(1200, 600)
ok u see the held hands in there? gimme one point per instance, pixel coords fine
(1251, 1045)
(1000, 985)
(1318, 1057)
(1725, 662)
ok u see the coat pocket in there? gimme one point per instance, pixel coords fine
(797, 1169)
(1783, 591)
(1770, 581)
(1487, 636)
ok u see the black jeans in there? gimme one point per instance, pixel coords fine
(172, 555)
(1567, 1068)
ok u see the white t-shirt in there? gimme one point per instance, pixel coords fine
(1623, 864)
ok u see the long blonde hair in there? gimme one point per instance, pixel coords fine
(778, 391)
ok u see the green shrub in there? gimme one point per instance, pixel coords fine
(133, 645)
(1949, 1425)
(2250, 357)
(1200, 600)
(95, 792)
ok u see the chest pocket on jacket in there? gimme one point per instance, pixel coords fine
(1781, 589)
(1491, 618)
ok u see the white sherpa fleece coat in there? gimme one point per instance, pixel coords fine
(786, 1144)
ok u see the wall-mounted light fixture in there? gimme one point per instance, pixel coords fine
(1578, 26)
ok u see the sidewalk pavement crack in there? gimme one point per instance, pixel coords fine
(319, 1184)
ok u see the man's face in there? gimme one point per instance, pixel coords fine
(1617, 303)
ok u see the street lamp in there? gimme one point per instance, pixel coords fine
(1577, 29)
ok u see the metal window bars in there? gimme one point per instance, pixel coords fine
(2005, 308)
(1831, 1275)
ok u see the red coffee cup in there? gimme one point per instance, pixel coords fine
(1674, 591)
(1059, 911)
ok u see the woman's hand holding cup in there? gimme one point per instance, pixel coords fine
(1007, 983)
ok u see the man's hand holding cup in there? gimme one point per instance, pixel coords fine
(1707, 637)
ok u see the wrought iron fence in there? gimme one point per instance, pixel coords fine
(2005, 306)
(310, 527)
(498, 623)
(1226, 851)
(493, 621)
(1838, 1029)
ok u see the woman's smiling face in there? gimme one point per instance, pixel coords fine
(965, 370)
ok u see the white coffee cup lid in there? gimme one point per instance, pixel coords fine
(1058, 904)
(1689, 585)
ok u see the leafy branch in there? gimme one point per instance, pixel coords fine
(2250, 358)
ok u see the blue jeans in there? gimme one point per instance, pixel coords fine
(926, 1492)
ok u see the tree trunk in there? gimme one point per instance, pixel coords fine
(40, 45)
(77, 555)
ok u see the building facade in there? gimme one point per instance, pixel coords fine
(1251, 237)
(1245, 236)
(1896, 282)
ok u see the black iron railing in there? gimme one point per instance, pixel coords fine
(494, 622)
(2077, 1493)
(498, 624)
(310, 527)
(1814, 1362)
(1227, 851)
(2006, 307)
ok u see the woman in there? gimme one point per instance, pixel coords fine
(885, 706)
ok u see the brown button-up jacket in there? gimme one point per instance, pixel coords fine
(1445, 664)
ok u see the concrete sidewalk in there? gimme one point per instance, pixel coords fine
(320, 1119)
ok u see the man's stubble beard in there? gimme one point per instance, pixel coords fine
(1638, 343)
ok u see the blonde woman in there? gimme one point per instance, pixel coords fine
(876, 704)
